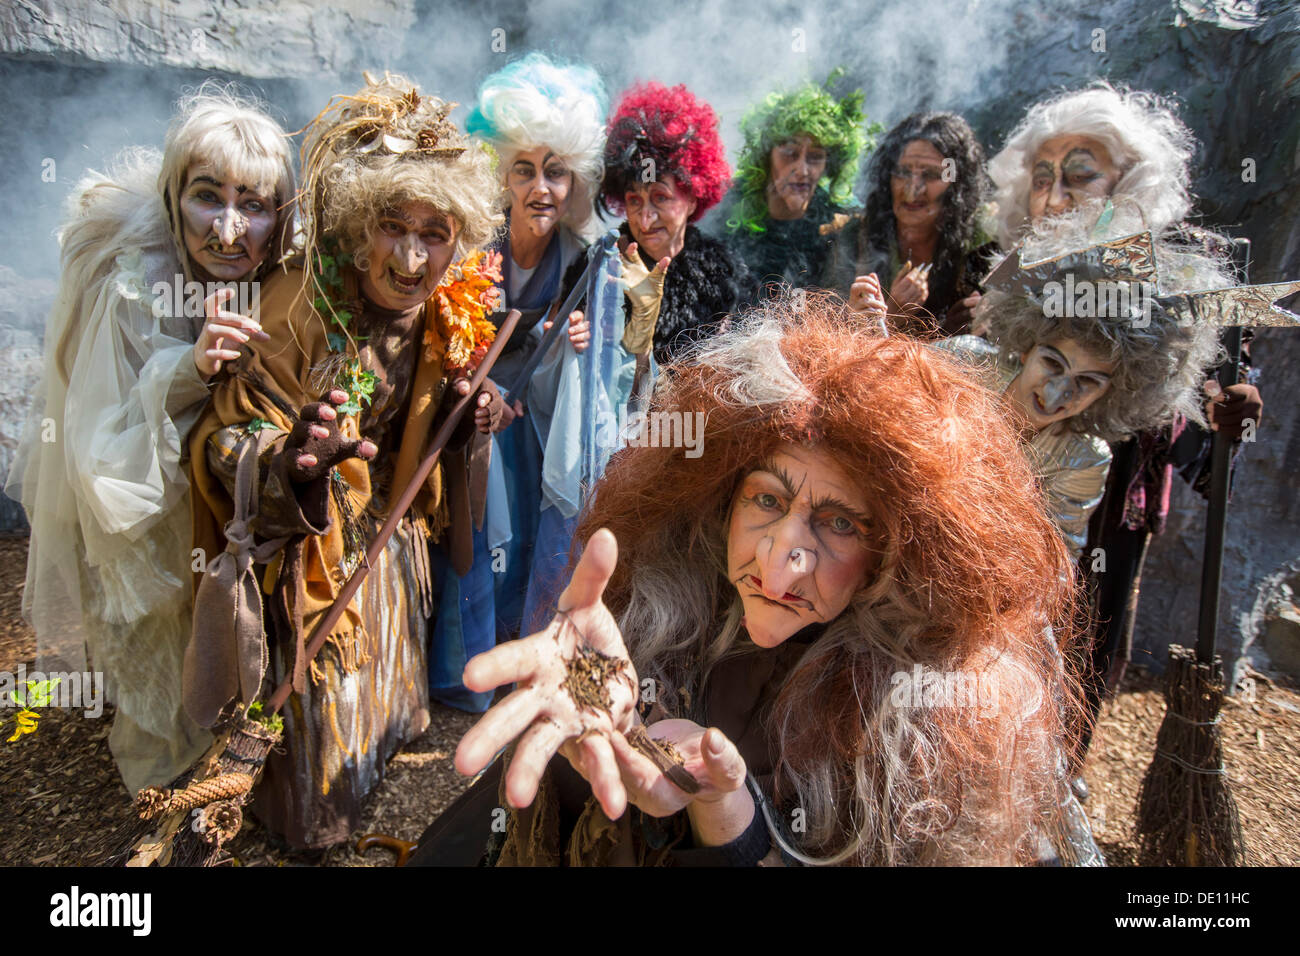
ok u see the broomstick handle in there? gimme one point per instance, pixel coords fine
(1216, 519)
(519, 387)
(395, 513)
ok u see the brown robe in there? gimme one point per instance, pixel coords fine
(366, 693)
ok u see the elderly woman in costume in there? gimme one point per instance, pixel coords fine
(664, 168)
(1079, 378)
(308, 440)
(919, 240)
(1115, 162)
(794, 182)
(862, 527)
(138, 330)
(546, 121)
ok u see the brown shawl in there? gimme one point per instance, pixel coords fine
(272, 382)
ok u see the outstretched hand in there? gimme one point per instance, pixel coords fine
(542, 713)
(315, 445)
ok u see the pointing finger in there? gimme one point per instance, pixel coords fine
(213, 303)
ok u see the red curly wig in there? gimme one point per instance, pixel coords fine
(674, 130)
(974, 574)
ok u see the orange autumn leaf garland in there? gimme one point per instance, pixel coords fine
(467, 296)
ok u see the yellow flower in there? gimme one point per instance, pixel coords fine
(25, 723)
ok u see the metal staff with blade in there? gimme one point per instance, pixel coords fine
(1186, 813)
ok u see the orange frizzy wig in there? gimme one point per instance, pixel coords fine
(974, 583)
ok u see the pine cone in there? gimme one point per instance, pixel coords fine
(151, 801)
(221, 822)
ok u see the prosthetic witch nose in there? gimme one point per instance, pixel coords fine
(647, 216)
(229, 226)
(1057, 391)
(410, 253)
(786, 556)
(1061, 198)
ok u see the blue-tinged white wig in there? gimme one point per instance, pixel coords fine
(537, 102)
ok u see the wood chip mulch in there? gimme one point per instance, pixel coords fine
(59, 787)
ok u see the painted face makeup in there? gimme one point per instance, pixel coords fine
(801, 542)
(1058, 381)
(1068, 171)
(795, 168)
(917, 186)
(657, 215)
(413, 246)
(540, 185)
(227, 225)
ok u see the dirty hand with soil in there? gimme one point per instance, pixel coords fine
(576, 695)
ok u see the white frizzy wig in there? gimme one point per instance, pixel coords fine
(216, 124)
(536, 102)
(1145, 138)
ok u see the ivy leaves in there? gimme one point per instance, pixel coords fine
(359, 383)
(352, 378)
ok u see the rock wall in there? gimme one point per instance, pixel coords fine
(254, 38)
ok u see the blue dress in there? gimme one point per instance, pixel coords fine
(578, 427)
(487, 603)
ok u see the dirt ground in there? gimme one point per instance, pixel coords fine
(59, 789)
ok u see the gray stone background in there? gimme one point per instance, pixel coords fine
(81, 80)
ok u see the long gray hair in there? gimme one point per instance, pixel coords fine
(1161, 363)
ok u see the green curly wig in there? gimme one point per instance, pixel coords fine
(837, 124)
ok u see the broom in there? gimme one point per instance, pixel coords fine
(1186, 814)
(187, 824)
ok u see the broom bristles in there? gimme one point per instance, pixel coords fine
(1186, 814)
(241, 748)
